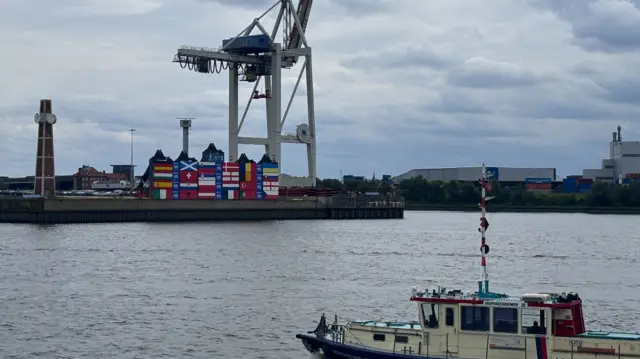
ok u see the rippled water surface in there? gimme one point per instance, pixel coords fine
(243, 290)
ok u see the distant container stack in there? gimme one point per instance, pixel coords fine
(576, 184)
(538, 184)
(584, 184)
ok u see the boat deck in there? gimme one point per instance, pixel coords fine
(396, 325)
(611, 335)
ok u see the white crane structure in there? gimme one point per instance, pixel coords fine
(251, 58)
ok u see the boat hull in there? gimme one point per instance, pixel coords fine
(335, 350)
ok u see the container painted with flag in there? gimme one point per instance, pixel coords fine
(230, 180)
(161, 182)
(188, 179)
(175, 180)
(207, 180)
(248, 182)
(270, 180)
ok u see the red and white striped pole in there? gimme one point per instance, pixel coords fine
(484, 224)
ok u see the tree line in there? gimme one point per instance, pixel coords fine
(420, 191)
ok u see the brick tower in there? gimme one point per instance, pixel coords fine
(45, 184)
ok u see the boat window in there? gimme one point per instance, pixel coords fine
(474, 318)
(430, 311)
(449, 318)
(533, 321)
(505, 320)
(378, 337)
(402, 339)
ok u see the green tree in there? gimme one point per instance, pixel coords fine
(600, 195)
(419, 190)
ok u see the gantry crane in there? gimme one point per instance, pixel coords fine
(251, 58)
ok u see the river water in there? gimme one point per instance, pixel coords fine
(243, 290)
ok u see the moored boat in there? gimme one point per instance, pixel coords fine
(478, 325)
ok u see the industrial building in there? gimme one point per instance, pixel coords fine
(62, 183)
(623, 162)
(469, 174)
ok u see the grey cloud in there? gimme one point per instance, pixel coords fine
(484, 73)
(354, 7)
(599, 25)
(456, 102)
(616, 85)
(400, 57)
(363, 7)
(622, 90)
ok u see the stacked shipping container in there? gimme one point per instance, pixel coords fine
(570, 185)
(161, 182)
(270, 180)
(212, 178)
(576, 184)
(230, 180)
(248, 180)
(584, 184)
(210, 173)
(188, 172)
(543, 184)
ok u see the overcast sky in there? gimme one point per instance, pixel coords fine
(399, 84)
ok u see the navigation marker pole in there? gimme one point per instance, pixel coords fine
(484, 225)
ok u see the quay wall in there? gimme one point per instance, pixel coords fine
(96, 210)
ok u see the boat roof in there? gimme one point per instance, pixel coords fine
(551, 300)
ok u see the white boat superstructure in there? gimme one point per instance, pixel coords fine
(478, 325)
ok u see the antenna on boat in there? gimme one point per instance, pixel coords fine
(484, 225)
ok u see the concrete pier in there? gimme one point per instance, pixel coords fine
(97, 210)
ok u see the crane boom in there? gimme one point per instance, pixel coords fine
(295, 40)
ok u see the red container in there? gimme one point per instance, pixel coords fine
(188, 194)
(538, 186)
(249, 195)
(585, 180)
(633, 175)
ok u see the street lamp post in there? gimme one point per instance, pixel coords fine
(132, 179)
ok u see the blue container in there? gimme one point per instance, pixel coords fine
(175, 187)
(252, 44)
(358, 178)
(569, 186)
(537, 180)
(584, 187)
(494, 173)
(626, 180)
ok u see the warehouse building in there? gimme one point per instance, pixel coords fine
(472, 174)
(623, 162)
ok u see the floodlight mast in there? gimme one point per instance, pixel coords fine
(253, 57)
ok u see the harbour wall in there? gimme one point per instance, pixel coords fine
(96, 210)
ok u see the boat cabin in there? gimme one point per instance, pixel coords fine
(534, 313)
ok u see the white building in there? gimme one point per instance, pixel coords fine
(466, 174)
(623, 161)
